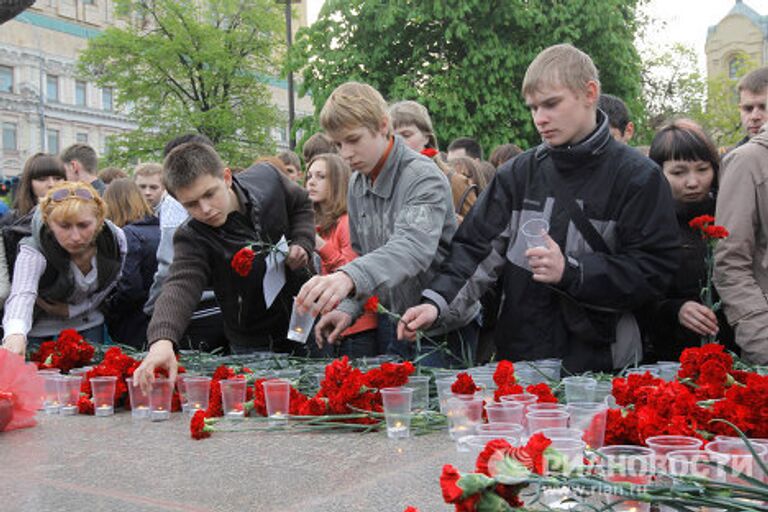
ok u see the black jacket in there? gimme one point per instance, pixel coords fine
(275, 207)
(628, 201)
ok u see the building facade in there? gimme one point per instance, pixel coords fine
(741, 34)
(45, 106)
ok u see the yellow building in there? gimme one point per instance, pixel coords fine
(44, 106)
(742, 33)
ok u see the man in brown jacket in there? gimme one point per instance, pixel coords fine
(741, 259)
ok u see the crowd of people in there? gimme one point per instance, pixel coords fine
(610, 277)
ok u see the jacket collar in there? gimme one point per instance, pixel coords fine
(580, 154)
(385, 182)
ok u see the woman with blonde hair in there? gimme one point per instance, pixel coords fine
(127, 208)
(327, 182)
(66, 269)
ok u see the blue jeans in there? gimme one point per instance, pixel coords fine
(455, 349)
(361, 344)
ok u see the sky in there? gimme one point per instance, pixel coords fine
(685, 21)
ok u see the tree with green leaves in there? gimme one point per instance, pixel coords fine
(464, 59)
(191, 65)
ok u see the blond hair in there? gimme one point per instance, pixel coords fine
(354, 105)
(337, 173)
(563, 65)
(125, 202)
(404, 113)
(72, 206)
(148, 169)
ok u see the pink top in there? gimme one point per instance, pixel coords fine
(337, 252)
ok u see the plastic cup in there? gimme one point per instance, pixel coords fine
(68, 393)
(591, 417)
(277, 395)
(579, 389)
(443, 385)
(464, 414)
(300, 324)
(505, 412)
(570, 456)
(51, 402)
(740, 458)
(534, 231)
(198, 390)
(139, 400)
(538, 420)
(561, 433)
(697, 463)
(603, 389)
(397, 411)
(546, 406)
(523, 398)
(507, 430)
(662, 445)
(103, 389)
(628, 463)
(233, 396)
(160, 399)
(420, 386)
(668, 370)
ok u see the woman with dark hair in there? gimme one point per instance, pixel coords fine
(690, 163)
(41, 172)
(126, 208)
(327, 183)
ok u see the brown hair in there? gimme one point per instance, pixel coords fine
(148, 169)
(290, 158)
(354, 105)
(561, 64)
(125, 202)
(409, 112)
(84, 154)
(187, 162)
(39, 165)
(756, 81)
(274, 162)
(317, 144)
(111, 174)
(337, 173)
(72, 206)
(503, 153)
(467, 167)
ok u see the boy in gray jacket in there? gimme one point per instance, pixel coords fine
(401, 224)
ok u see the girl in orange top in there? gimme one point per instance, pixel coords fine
(327, 181)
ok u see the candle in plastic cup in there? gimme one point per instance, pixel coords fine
(233, 397)
(546, 406)
(508, 430)
(740, 458)
(160, 399)
(579, 389)
(397, 411)
(591, 417)
(420, 386)
(277, 395)
(546, 419)
(464, 413)
(181, 388)
(698, 463)
(300, 324)
(139, 400)
(534, 231)
(51, 400)
(662, 445)
(505, 412)
(103, 389)
(632, 465)
(566, 456)
(198, 391)
(443, 385)
(69, 393)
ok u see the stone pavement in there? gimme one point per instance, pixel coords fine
(85, 463)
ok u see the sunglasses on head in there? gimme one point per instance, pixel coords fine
(65, 193)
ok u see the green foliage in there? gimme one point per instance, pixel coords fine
(463, 59)
(190, 65)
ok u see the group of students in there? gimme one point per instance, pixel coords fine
(383, 213)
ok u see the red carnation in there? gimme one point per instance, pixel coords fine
(464, 385)
(543, 392)
(197, 426)
(701, 222)
(242, 261)
(85, 405)
(372, 305)
(411, 509)
(504, 374)
(714, 232)
(449, 479)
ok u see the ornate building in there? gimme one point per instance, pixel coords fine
(44, 106)
(741, 33)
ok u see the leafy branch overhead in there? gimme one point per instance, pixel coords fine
(184, 65)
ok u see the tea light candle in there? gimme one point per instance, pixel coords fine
(159, 414)
(298, 329)
(68, 410)
(236, 414)
(104, 410)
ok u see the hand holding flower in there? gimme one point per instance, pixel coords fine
(16, 343)
(698, 318)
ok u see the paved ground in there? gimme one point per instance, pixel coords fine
(84, 463)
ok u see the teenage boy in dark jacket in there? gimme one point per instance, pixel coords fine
(228, 213)
(563, 299)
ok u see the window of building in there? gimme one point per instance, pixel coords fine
(9, 137)
(735, 65)
(53, 141)
(6, 79)
(106, 99)
(80, 93)
(81, 138)
(52, 88)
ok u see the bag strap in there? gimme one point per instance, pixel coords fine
(566, 199)
(465, 195)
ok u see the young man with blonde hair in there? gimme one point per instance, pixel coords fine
(149, 178)
(608, 245)
(401, 223)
